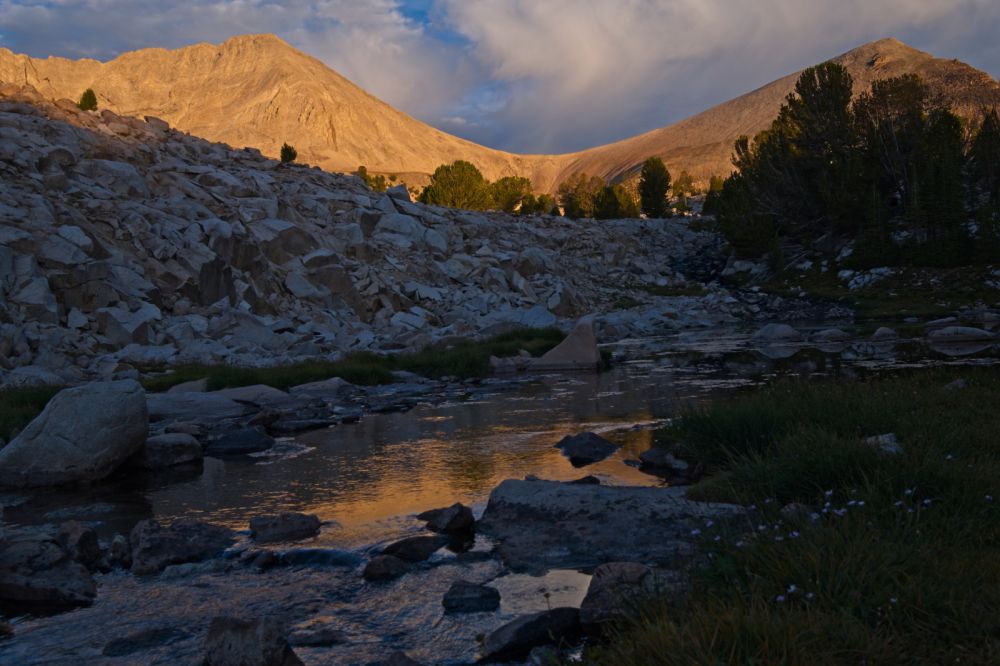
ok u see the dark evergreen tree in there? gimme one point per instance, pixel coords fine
(458, 185)
(654, 185)
(288, 154)
(88, 101)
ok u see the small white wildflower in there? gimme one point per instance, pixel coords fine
(810, 596)
(898, 503)
(752, 507)
(893, 600)
(792, 589)
(717, 538)
(779, 538)
(989, 498)
(709, 523)
(739, 544)
(813, 517)
(861, 502)
(780, 598)
(927, 502)
(949, 457)
(695, 532)
(768, 500)
(908, 491)
(852, 503)
(828, 493)
(793, 535)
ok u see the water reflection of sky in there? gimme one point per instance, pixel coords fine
(371, 476)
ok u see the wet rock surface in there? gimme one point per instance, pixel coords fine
(38, 574)
(456, 518)
(465, 597)
(283, 527)
(258, 642)
(517, 638)
(155, 546)
(586, 448)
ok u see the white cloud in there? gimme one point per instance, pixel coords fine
(539, 75)
(601, 69)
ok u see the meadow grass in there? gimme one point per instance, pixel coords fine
(892, 559)
(464, 359)
(19, 406)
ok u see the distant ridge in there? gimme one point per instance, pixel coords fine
(257, 90)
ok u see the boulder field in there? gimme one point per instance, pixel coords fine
(125, 244)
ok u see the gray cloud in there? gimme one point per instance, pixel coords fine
(529, 75)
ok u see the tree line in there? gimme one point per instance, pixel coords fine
(894, 169)
(461, 185)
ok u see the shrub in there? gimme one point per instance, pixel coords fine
(88, 101)
(288, 154)
(458, 185)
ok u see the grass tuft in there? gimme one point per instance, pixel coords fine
(18, 406)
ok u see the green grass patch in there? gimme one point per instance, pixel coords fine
(926, 293)
(18, 406)
(899, 561)
(465, 359)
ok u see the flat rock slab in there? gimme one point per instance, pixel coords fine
(546, 524)
(193, 407)
(578, 352)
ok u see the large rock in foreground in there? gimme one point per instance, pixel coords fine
(547, 524)
(83, 434)
(236, 642)
(516, 638)
(37, 574)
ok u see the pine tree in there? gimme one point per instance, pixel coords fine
(458, 185)
(88, 101)
(288, 154)
(654, 184)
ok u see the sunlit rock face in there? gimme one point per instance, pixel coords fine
(124, 243)
(257, 90)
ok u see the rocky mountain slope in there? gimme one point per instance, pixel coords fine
(125, 242)
(258, 91)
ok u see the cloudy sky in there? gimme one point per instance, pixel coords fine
(528, 75)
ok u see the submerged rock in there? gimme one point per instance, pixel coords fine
(240, 442)
(321, 631)
(777, 333)
(284, 527)
(259, 642)
(416, 549)
(449, 520)
(586, 448)
(83, 434)
(385, 567)
(154, 546)
(465, 597)
(143, 640)
(517, 638)
(960, 334)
